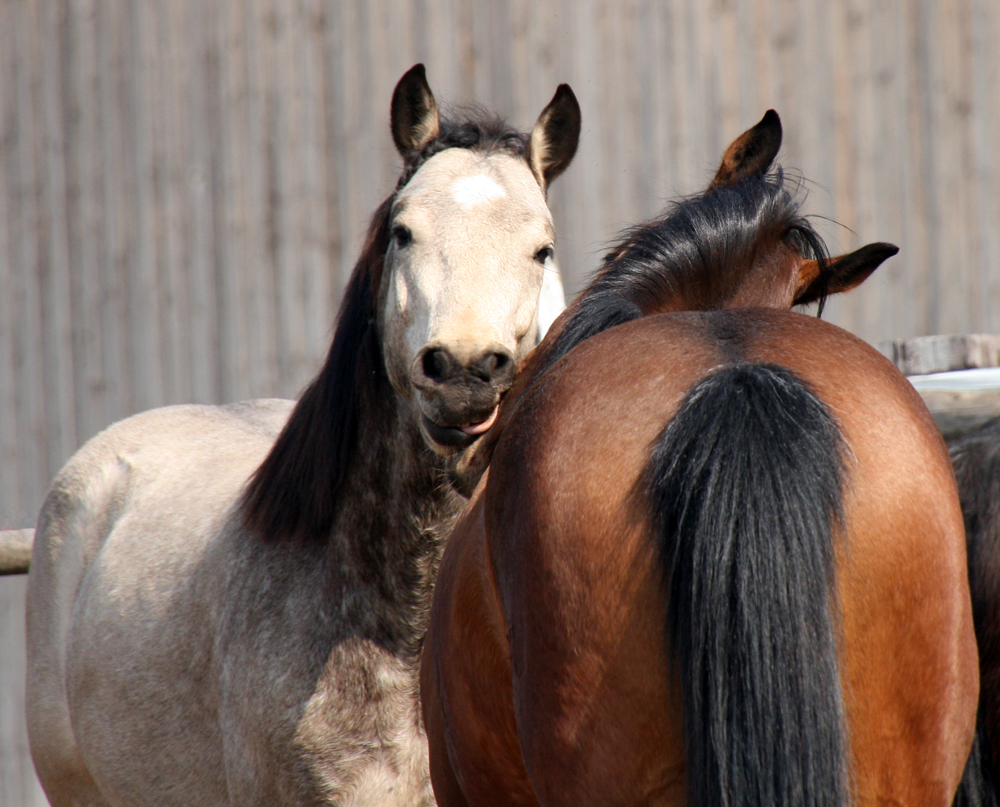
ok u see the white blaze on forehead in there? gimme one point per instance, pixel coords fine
(476, 190)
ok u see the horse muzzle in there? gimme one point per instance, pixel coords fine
(458, 399)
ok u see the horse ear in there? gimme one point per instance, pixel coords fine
(555, 136)
(414, 117)
(843, 273)
(751, 152)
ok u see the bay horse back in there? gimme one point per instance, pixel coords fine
(702, 609)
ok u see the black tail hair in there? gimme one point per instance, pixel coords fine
(746, 489)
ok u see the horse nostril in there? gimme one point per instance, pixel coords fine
(495, 367)
(435, 364)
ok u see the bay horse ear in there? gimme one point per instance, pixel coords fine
(555, 136)
(414, 116)
(751, 152)
(843, 273)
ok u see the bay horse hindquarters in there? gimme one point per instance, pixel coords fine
(575, 579)
(225, 604)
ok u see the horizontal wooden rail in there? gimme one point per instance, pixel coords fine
(958, 411)
(962, 401)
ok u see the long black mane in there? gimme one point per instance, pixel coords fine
(296, 493)
(697, 250)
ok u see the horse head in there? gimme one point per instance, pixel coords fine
(470, 250)
(740, 243)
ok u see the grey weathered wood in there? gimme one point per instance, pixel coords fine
(15, 551)
(921, 355)
(18, 784)
(960, 409)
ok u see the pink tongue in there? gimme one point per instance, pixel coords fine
(479, 428)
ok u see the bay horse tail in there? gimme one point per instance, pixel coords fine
(746, 490)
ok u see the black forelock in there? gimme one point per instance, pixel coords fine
(469, 127)
(699, 246)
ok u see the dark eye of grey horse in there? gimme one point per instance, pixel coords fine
(543, 254)
(401, 235)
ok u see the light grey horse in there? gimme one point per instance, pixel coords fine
(195, 638)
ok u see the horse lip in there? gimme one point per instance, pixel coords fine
(483, 426)
(451, 436)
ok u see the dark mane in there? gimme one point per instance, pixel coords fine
(297, 490)
(697, 250)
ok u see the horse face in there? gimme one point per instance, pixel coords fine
(471, 241)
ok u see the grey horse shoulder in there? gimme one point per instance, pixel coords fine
(185, 425)
(160, 450)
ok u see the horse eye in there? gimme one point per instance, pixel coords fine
(401, 235)
(543, 254)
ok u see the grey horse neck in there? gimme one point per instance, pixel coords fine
(383, 553)
(351, 488)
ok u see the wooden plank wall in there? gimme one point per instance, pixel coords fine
(183, 185)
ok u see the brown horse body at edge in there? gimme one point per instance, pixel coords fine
(718, 556)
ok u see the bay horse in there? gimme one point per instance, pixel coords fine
(717, 557)
(226, 603)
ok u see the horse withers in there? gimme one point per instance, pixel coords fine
(717, 558)
(195, 638)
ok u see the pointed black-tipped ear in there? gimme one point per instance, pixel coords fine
(751, 152)
(555, 136)
(414, 113)
(843, 273)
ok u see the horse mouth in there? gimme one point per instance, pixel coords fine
(458, 436)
